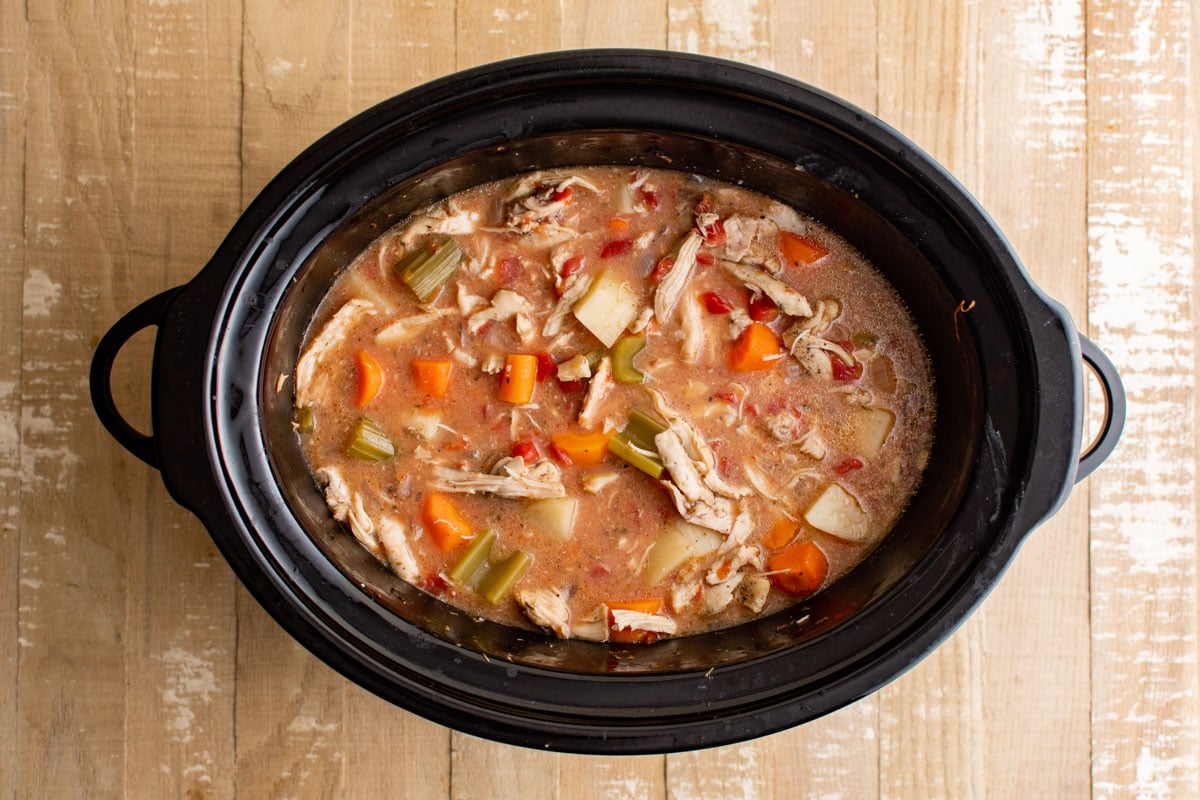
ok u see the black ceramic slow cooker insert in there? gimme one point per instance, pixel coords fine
(1007, 361)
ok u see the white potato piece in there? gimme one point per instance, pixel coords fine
(838, 513)
(681, 542)
(871, 429)
(555, 516)
(607, 309)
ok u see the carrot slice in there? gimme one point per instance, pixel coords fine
(755, 348)
(444, 522)
(431, 375)
(370, 378)
(517, 378)
(798, 570)
(618, 224)
(780, 533)
(650, 605)
(799, 251)
(583, 449)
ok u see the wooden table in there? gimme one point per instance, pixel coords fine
(134, 132)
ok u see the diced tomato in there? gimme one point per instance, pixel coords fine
(570, 387)
(726, 397)
(662, 268)
(560, 455)
(599, 571)
(571, 266)
(705, 259)
(434, 584)
(546, 368)
(564, 194)
(616, 247)
(716, 304)
(714, 233)
(846, 372)
(725, 465)
(649, 197)
(703, 205)
(762, 308)
(849, 465)
(509, 270)
(526, 450)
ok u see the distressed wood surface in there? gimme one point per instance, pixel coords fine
(132, 133)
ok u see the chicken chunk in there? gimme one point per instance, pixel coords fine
(628, 620)
(407, 328)
(752, 592)
(750, 240)
(347, 507)
(598, 387)
(546, 608)
(790, 301)
(505, 305)
(573, 289)
(537, 482)
(692, 326)
(334, 332)
(670, 289)
(445, 219)
(393, 542)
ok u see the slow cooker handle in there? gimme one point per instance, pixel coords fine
(1114, 408)
(150, 312)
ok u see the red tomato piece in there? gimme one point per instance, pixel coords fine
(705, 259)
(546, 368)
(571, 386)
(715, 303)
(649, 197)
(763, 308)
(849, 465)
(571, 266)
(526, 450)
(564, 194)
(714, 233)
(662, 268)
(616, 247)
(509, 270)
(846, 372)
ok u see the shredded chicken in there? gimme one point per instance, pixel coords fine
(347, 507)
(593, 626)
(574, 369)
(445, 219)
(670, 289)
(492, 363)
(598, 387)
(739, 320)
(790, 301)
(540, 481)
(642, 320)
(469, 303)
(594, 484)
(505, 305)
(330, 336)
(546, 608)
(406, 328)
(733, 562)
(573, 289)
(683, 594)
(393, 541)
(717, 598)
(535, 206)
(751, 240)
(752, 592)
(627, 620)
(691, 323)
(811, 444)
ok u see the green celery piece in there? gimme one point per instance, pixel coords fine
(623, 353)
(306, 420)
(646, 460)
(499, 579)
(369, 442)
(473, 565)
(642, 428)
(865, 339)
(430, 266)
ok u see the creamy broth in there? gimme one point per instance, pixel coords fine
(729, 406)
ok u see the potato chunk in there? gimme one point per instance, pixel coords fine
(681, 542)
(607, 309)
(838, 513)
(871, 429)
(555, 516)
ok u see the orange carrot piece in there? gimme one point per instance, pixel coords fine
(431, 375)
(370, 378)
(798, 570)
(443, 521)
(780, 533)
(584, 449)
(618, 224)
(650, 605)
(756, 348)
(517, 378)
(799, 251)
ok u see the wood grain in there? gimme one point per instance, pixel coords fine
(1141, 226)
(132, 132)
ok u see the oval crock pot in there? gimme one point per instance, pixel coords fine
(1007, 360)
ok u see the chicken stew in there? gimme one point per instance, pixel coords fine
(614, 404)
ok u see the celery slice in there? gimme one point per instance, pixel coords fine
(473, 565)
(623, 353)
(428, 267)
(646, 460)
(642, 428)
(369, 442)
(306, 420)
(499, 579)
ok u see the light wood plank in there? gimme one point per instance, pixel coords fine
(931, 736)
(488, 31)
(181, 636)
(1141, 228)
(290, 723)
(1033, 181)
(13, 98)
(80, 494)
